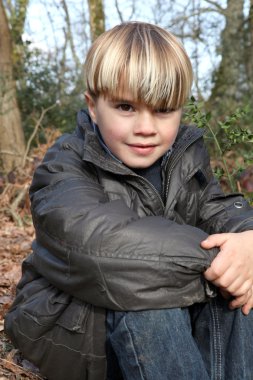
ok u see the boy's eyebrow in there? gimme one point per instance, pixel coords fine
(131, 101)
(122, 100)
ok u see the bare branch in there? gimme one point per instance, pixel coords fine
(216, 5)
(118, 10)
(52, 23)
(43, 113)
(133, 9)
(14, 205)
(184, 17)
(69, 35)
(10, 153)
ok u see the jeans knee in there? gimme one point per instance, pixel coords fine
(151, 320)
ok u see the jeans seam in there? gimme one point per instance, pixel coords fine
(217, 343)
(134, 351)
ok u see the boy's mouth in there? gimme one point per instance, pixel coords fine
(143, 149)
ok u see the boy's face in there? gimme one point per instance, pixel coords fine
(137, 135)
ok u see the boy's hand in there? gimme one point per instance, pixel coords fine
(245, 301)
(249, 304)
(232, 269)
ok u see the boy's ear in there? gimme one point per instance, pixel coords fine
(91, 103)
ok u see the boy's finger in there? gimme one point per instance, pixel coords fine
(211, 274)
(249, 304)
(218, 268)
(247, 307)
(239, 302)
(245, 301)
(215, 240)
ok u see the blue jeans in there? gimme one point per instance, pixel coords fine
(202, 342)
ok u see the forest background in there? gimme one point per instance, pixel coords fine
(42, 49)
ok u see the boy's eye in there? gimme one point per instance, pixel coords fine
(125, 107)
(164, 110)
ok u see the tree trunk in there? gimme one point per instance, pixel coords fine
(12, 143)
(97, 18)
(249, 49)
(230, 76)
(16, 17)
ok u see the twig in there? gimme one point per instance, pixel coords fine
(218, 146)
(216, 5)
(10, 153)
(6, 188)
(239, 188)
(21, 370)
(118, 10)
(20, 196)
(43, 113)
(13, 207)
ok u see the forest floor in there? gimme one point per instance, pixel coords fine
(16, 236)
(15, 245)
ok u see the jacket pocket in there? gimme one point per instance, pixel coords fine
(60, 334)
(75, 316)
(45, 307)
(36, 309)
(48, 308)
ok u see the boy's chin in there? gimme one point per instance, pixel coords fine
(142, 165)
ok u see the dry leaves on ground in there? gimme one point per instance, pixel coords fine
(15, 245)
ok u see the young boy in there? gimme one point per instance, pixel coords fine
(141, 266)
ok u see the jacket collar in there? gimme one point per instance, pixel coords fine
(93, 151)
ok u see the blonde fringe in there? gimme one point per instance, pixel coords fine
(140, 59)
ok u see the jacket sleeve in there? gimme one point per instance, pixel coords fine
(102, 252)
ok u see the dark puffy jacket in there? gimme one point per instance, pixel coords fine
(106, 240)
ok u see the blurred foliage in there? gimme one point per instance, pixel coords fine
(223, 136)
(39, 87)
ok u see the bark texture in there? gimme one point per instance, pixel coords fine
(12, 143)
(97, 18)
(249, 49)
(229, 78)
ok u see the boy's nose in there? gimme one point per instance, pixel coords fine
(144, 124)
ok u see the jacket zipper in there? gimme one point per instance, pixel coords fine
(153, 188)
(173, 160)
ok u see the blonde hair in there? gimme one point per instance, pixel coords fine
(140, 59)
